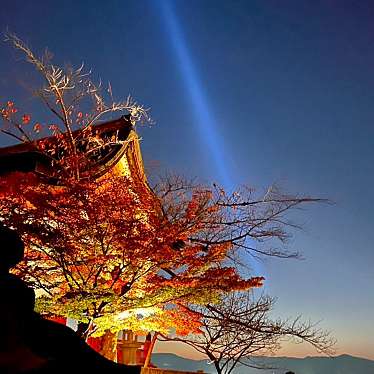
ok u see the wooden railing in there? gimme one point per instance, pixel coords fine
(167, 371)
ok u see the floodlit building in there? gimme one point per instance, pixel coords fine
(121, 155)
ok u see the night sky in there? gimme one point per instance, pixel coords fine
(243, 92)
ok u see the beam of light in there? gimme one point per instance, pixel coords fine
(204, 118)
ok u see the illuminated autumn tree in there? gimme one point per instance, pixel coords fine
(109, 253)
(103, 253)
(105, 248)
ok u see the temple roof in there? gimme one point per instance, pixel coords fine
(25, 157)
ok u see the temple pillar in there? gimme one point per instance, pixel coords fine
(128, 347)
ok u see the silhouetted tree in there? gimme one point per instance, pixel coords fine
(238, 328)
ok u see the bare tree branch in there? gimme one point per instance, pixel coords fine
(239, 328)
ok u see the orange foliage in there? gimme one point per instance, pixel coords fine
(98, 248)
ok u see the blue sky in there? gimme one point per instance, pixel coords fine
(244, 92)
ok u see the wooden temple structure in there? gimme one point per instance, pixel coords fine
(122, 156)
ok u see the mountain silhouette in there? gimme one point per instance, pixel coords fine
(343, 364)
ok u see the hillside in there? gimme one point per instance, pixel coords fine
(343, 364)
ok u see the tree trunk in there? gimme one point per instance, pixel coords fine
(218, 368)
(109, 346)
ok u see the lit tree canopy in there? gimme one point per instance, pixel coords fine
(111, 251)
(103, 251)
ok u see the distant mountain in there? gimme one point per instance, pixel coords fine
(343, 364)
